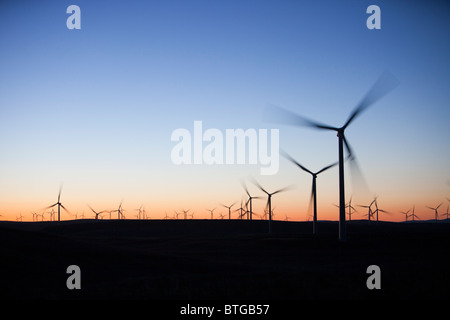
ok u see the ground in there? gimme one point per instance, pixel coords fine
(221, 259)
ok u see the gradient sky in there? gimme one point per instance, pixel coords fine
(94, 108)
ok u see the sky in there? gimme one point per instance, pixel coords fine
(94, 109)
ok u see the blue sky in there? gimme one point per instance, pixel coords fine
(95, 107)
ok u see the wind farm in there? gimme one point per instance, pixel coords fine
(113, 229)
(221, 150)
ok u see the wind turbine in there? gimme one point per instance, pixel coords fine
(185, 213)
(59, 204)
(140, 211)
(144, 214)
(382, 86)
(96, 213)
(436, 214)
(250, 200)
(229, 209)
(212, 212)
(242, 211)
(406, 214)
(370, 213)
(314, 184)
(377, 210)
(413, 214)
(269, 200)
(350, 208)
(177, 214)
(119, 211)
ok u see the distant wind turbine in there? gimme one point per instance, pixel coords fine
(382, 86)
(269, 200)
(250, 200)
(185, 213)
(211, 211)
(436, 214)
(314, 184)
(377, 210)
(96, 213)
(119, 211)
(140, 211)
(370, 212)
(242, 211)
(59, 204)
(413, 215)
(229, 209)
(406, 214)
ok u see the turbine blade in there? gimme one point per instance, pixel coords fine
(287, 156)
(51, 206)
(59, 193)
(245, 188)
(279, 115)
(327, 167)
(349, 149)
(282, 190)
(385, 84)
(259, 186)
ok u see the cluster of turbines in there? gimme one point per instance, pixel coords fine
(382, 86)
(245, 211)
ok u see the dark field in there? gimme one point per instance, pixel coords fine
(221, 259)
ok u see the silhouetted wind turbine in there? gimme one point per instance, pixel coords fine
(370, 213)
(119, 211)
(185, 213)
(59, 204)
(269, 200)
(377, 210)
(436, 214)
(350, 208)
(229, 209)
(314, 184)
(96, 213)
(406, 214)
(413, 214)
(242, 211)
(382, 86)
(140, 211)
(212, 212)
(250, 200)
